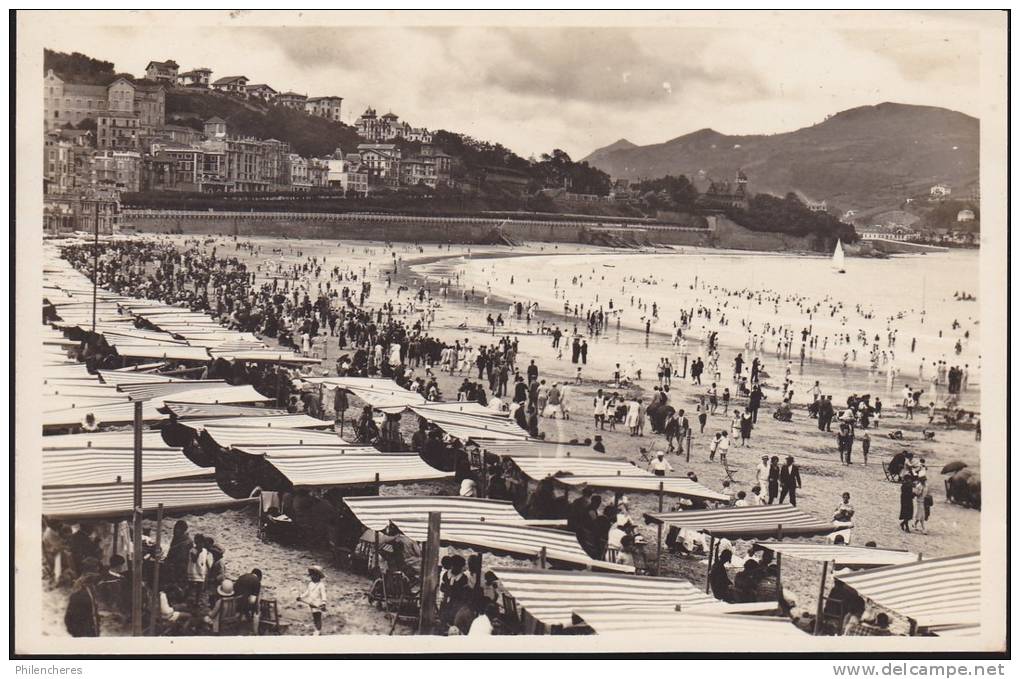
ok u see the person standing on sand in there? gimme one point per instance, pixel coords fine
(773, 478)
(789, 481)
(314, 596)
(906, 502)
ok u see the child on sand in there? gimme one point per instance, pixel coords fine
(315, 596)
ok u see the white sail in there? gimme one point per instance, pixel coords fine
(838, 257)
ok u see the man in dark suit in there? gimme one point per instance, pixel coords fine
(789, 481)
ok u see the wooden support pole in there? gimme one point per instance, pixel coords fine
(658, 534)
(688, 445)
(154, 608)
(136, 579)
(708, 573)
(429, 575)
(542, 561)
(779, 579)
(116, 530)
(821, 598)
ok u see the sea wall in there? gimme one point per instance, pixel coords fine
(710, 231)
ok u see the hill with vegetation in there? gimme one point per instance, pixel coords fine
(861, 158)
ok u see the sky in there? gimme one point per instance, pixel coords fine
(539, 87)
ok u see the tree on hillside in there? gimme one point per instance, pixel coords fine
(789, 215)
(79, 68)
(668, 193)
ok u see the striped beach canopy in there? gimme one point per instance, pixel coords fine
(124, 335)
(313, 450)
(151, 440)
(262, 356)
(225, 394)
(510, 538)
(463, 407)
(83, 388)
(381, 394)
(347, 382)
(537, 448)
(116, 500)
(228, 437)
(106, 414)
(670, 485)
(466, 434)
(173, 352)
(202, 410)
(550, 597)
(539, 468)
(377, 512)
(353, 468)
(87, 466)
(118, 377)
(933, 592)
(491, 423)
(142, 367)
(841, 555)
(69, 401)
(746, 523)
(686, 624)
(142, 391)
(298, 421)
(115, 340)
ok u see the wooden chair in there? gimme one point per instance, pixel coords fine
(226, 617)
(890, 476)
(512, 622)
(269, 617)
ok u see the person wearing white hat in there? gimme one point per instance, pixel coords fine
(315, 596)
(219, 609)
(660, 465)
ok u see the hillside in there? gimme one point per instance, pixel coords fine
(860, 158)
(307, 135)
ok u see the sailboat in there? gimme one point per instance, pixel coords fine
(838, 257)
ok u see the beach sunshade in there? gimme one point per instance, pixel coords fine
(174, 352)
(683, 625)
(224, 394)
(118, 377)
(550, 597)
(933, 592)
(106, 414)
(298, 421)
(142, 391)
(493, 423)
(348, 469)
(264, 356)
(746, 523)
(82, 388)
(841, 555)
(87, 466)
(312, 450)
(536, 448)
(209, 410)
(53, 402)
(539, 468)
(475, 434)
(953, 467)
(669, 485)
(151, 440)
(377, 512)
(228, 437)
(116, 500)
(510, 538)
(464, 408)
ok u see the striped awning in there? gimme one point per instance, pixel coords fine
(116, 500)
(111, 413)
(228, 437)
(536, 448)
(174, 352)
(683, 625)
(313, 450)
(297, 421)
(539, 468)
(87, 466)
(466, 434)
(262, 356)
(227, 394)
(151, 440)
(142, 391)
(670, 485)
(933, 592)
(463, 407)
(551, 597)
(194, 410)
(118, 377)
(68, 401)
(377, 512)
(83, 388)
(484, 423)
(510, 538)
(381, 394)
(746, 523)
(841, 555)
(352, 468)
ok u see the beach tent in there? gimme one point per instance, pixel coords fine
(313, 450)
(463, 407)
(746, 523)
(516, 539)
(537, 448)
(943, 592)
(263, 356)
(286, 421)
(118, 377)
(382, 394)
(83, 388)
(142, 391)
(87, 466)
(151, 440)
(105, 414)
(442, 418)
(184, 411)
(690, 622)
(349, 468)
(546, 598)
(377, 512)
(229, 437)
(76, 401)
(114, 501)
(173, 352)
(224, 394)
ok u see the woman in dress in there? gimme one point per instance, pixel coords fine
(906, 502)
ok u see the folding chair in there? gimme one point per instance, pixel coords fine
(890, 475)
(228, 618)
(269, 617)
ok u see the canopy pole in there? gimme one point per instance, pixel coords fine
(116, 529)
(429, 575)
(708, 573)
(779, 532)
(779, 579)
(485, 476)
(821, 598)
(688, 436)
(154, 609)
(658, 537)
(136, 579)
(542, 558)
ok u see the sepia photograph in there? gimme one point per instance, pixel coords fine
(348, 332)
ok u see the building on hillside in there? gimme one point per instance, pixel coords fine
(150, 105)
(67, 165)
(157, 173)
(162, 71)
(939, 191)
(215, 128)
(318, 172)
(260, 91)
(382, 161)
(817, 206)
(118, 131)
(181, 134)
(888, 232)
(721, 195)
(292, 100)
(418, 171)
(388, 127)
(232, 84)
(324, 107)
(297, 173)
(89, 211)
(419, 134)
(198, 77)
(71, 103)
(118, 170)
(965, 215)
